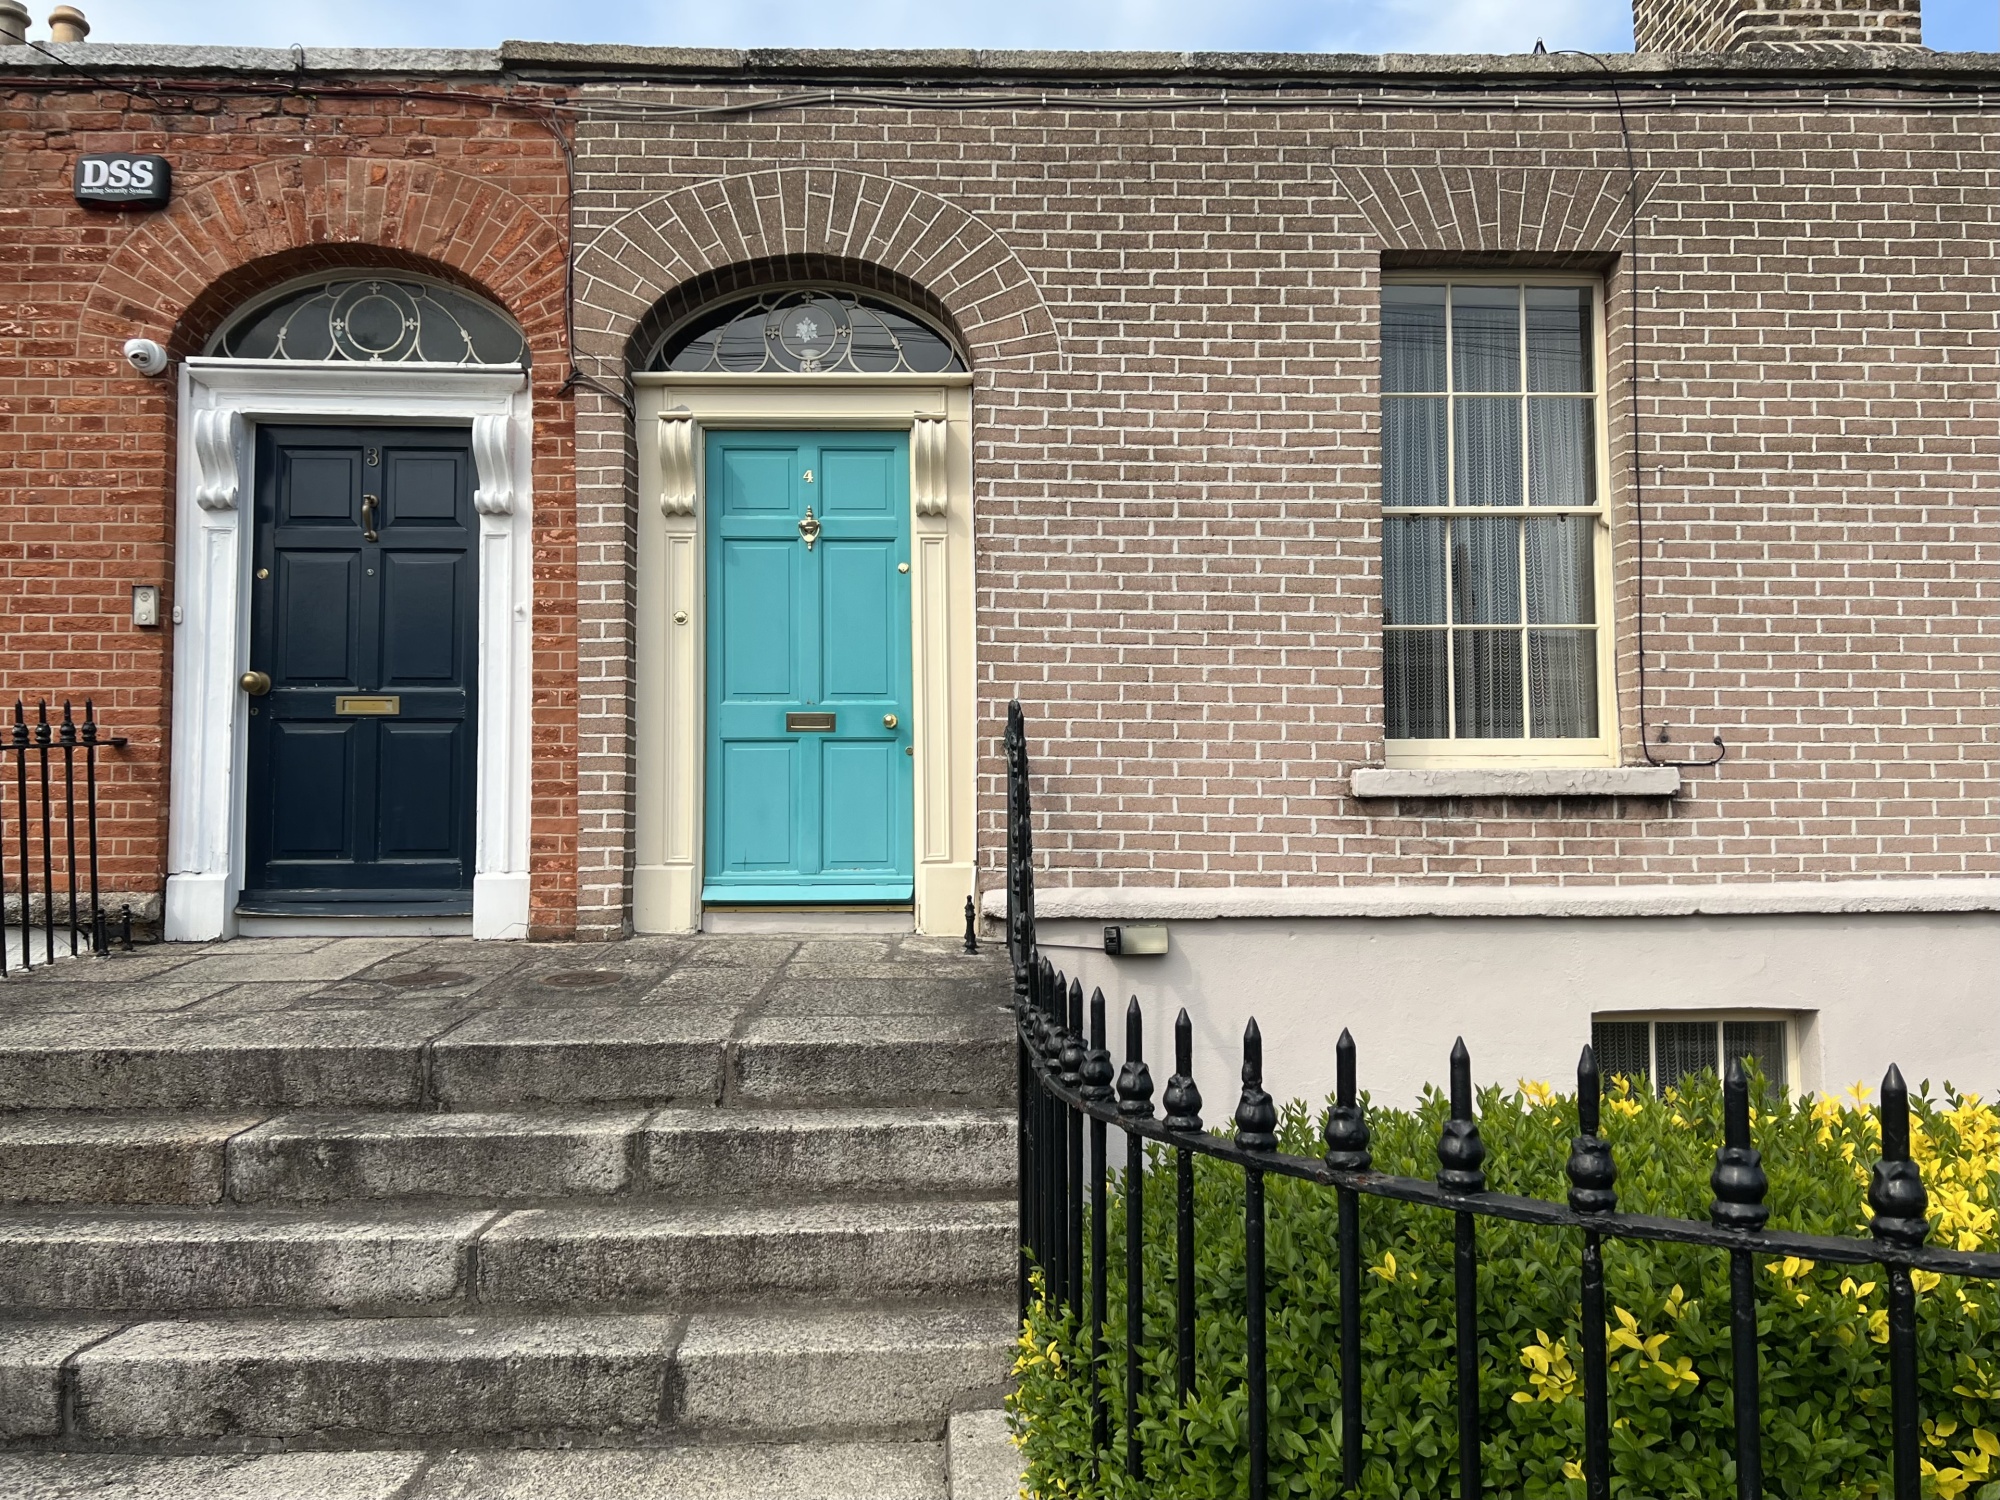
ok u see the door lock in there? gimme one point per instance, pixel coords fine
(890, 721)
(256, 684)
(368, 531)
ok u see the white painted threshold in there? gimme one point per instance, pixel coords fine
(339, 927)
(1776, 898)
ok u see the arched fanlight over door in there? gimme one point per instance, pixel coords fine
(373, 320)
(807, 331)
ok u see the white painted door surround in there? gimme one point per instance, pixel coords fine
(220, 399)
(674, 410)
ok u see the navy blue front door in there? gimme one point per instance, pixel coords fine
(363, 615)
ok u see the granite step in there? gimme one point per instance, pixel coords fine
(171, 1158)
(394, 1257)
(723, 1471)
(651, 1056)
(859, 1372)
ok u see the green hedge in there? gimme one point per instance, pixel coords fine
(1822, 1329)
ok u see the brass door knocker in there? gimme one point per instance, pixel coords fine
(809, 529)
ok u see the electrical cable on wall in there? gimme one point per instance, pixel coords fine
(1632, 446)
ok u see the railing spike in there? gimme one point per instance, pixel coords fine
(1460, 1151)
(1256, 1115)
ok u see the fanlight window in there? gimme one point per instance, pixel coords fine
(810, 331)
(375, 320)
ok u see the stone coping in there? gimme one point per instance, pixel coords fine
(1774, 898)
(115, 57)
(642, 64)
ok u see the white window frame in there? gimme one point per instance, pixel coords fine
(1792, 1021)
(1603, 750)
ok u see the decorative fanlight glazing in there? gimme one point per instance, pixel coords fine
(375, 320)
(808, 331)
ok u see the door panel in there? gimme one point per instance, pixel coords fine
(413, 821)
(422, 604)
(319, 594)
(858, 639)
(344, 805)
(858, 788)
(319, 486)
(760, 583)
(804, 814)
(312, 784)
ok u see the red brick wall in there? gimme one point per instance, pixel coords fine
(1177, 503)
(267, 185)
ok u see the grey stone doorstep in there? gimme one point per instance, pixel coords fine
(178, 1159)
(794, 1471)
(602, 1254)
(869, 1371)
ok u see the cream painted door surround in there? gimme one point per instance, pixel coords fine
(674, 412)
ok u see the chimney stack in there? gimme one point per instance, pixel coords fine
(1725, 25)
(66, 24)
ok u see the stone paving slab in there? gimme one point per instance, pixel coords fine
(69, 1156)
(793, 1471)
(711, 1153)
(345, 1378)
(643, 1253)
(559, 1055)
(277, 1476)
(984, 1463)
(844, 1369)
(31, 1359)
(166, 1261)
(494, 1156)
(82, 1061)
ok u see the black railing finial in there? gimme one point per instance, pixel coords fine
(1896, 1190)
(1460, 1151)
(1070, 1060)
(1738, 1179)
(1094, 1078)
(1346, 1127)
(1256, 1115)
(1135, 1079)
(971, 925)
(1182, 1099)
(1592, 1173)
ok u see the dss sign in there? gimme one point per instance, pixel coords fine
(118, 179)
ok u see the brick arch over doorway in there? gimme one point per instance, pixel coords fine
(851, 218)
(233, 236)
(854, 227)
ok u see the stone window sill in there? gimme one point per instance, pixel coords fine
(1552, 781)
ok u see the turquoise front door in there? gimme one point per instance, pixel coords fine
(809, 772)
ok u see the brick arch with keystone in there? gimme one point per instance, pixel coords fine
(811, 217)
(226, 239)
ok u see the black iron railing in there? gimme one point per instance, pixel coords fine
(1067, 1092)
(50, 760)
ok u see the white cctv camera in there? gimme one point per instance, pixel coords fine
(145, 356)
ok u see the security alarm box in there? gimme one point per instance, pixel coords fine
(122, 179)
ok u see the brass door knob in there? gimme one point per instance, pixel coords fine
(256, 684)
(890, 721)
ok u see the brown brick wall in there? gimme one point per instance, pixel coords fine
(1177, 504)
(267, 185)
(1723, 25)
